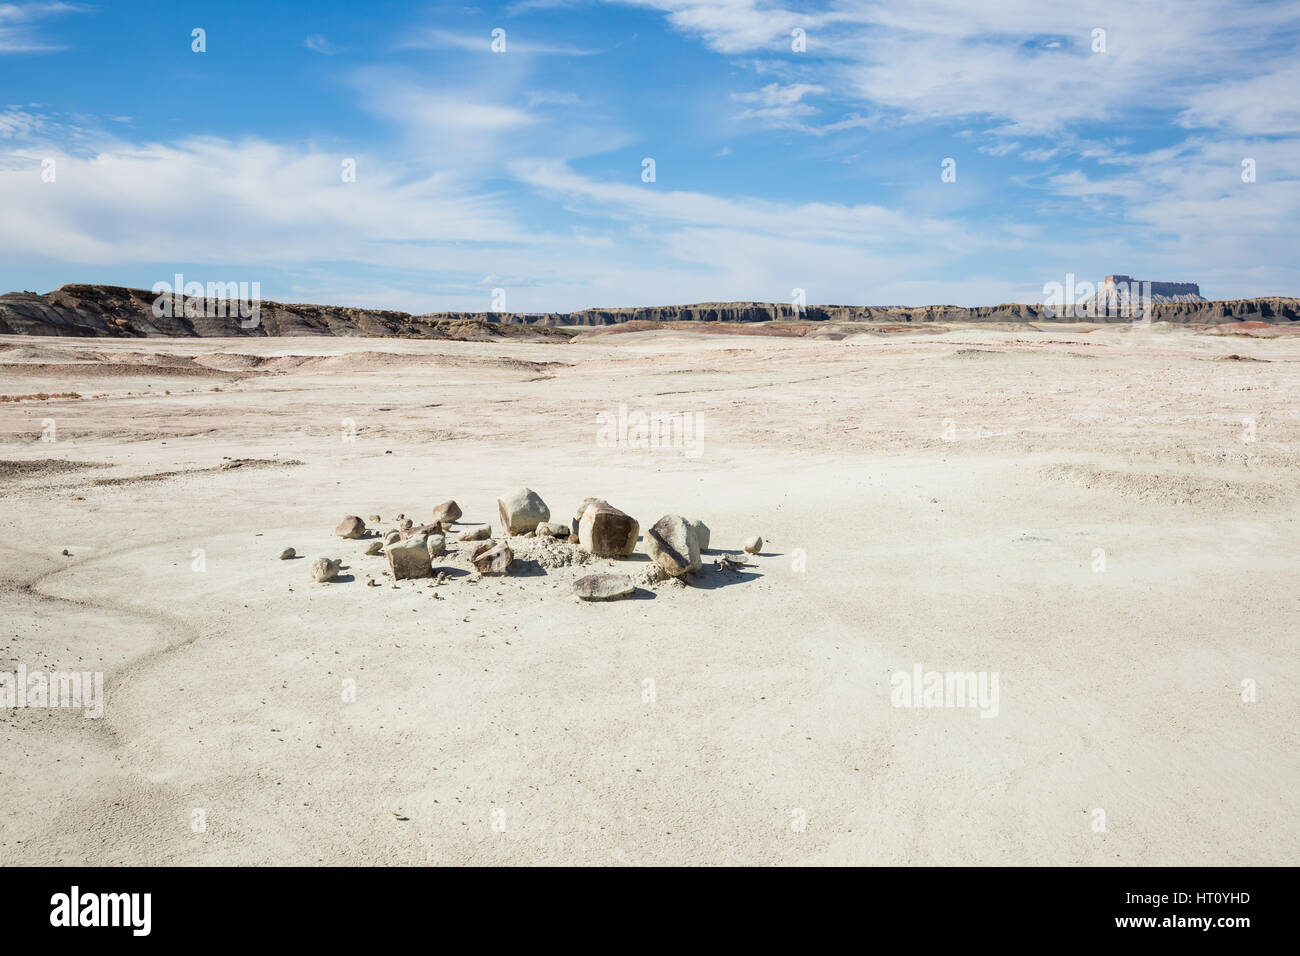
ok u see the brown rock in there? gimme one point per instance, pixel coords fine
(607, 532)
(424, 529)
(351, 527)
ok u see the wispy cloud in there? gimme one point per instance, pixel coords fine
(319, 44)
(515, 42)
(20, 26)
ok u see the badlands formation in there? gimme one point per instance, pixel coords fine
(1099, 522)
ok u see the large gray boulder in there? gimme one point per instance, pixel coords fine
(521, 511)
(672, 544)
(607, 532)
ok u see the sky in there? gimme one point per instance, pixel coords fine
(442, 156)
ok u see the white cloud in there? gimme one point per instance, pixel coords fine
(516, 42)
(319, 44)
(1029, 62)
(19, 32)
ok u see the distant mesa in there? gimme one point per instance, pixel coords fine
(114, 311)
(1118, 292)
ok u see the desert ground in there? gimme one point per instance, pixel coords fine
(1106, 518)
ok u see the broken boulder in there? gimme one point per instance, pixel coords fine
(672, 544)
(491, 558)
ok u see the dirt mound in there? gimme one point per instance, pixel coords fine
(226, 466)
(1166, 488)
(778, 329)
(547, 552)
(230, 361)
(42, 468)
(112, 370)
(28, 353)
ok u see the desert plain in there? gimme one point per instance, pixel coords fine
(1104, 517)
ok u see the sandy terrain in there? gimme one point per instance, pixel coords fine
(938, 498)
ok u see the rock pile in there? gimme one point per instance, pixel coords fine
(530, 543)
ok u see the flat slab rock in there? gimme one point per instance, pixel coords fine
(604, 587)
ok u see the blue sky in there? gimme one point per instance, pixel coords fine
(775, 168)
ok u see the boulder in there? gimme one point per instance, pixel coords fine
(375, 547)
(410, 559)
(753, 545)
(323, 569)
(672, 544)
(603, 587)
(288, 553)
(447, 513)
(607, 532)
(701, 533)
(521, 511)
(351, 527)
(478, 534)
(392, 536)
(549, 529)
(436, 545)
(492, 558)
(406, 524)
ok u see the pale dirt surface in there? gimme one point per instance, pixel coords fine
(1119, 689)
